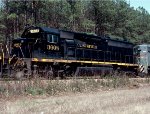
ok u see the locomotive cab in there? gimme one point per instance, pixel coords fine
(37, 42)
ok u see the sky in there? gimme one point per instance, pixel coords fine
(144, 3)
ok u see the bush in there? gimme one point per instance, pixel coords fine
(55, 87)
(2, 89)
(35, 91)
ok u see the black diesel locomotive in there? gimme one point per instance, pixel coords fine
(57, 52)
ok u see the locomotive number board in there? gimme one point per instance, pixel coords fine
(34, 31)
(52, 47)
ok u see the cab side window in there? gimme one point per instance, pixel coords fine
(51, 38)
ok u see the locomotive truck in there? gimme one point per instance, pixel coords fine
(54, 52)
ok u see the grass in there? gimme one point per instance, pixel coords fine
(124, 101)
(94, 101)
(56, 87)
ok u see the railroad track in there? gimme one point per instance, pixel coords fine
(70, 78)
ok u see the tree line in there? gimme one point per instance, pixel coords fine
(115, 18)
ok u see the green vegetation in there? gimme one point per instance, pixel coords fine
(114, 17)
